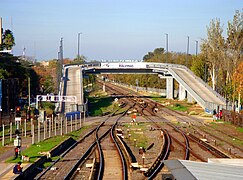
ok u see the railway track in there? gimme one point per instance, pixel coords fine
(69, 164)
(204, 145)
(162, 155)
(188, 141)
(69, 159)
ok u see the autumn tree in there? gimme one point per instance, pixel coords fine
(238, 79)
(234, 50)
(213, 49)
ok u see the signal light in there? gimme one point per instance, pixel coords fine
(18, 112)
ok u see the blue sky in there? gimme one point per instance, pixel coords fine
(111, 29)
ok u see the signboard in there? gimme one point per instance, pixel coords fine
(17, 142)
(17, 119)
(54, 98)
(137, 65)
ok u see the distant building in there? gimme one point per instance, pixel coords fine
(44, 63)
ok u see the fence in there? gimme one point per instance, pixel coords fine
(233, 117)
(42, 130)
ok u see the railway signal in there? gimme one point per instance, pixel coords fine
(17, 141)
(17, 112)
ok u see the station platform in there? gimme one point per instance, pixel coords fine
(6, 171)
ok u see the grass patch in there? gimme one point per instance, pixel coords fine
(141, 139)
(76, 134)
(216, 124)
(33, 152)
(160, 99)
(43, 146)
(178, 107)
(100, 105)
(240, 129)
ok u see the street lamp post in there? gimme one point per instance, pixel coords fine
(166, 47)
(79, 44)
(187, 50)
(196, 47)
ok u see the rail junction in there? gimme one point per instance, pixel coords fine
(123, 146)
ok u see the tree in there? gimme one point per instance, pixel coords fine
(238, 79)
(79, 60)
(198, 66)
(156, 56)
(213, 48)
(234, 48)
(8, 40)
(3, 74)
(235, 39)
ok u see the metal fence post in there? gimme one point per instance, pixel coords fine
(55, 126)
(44, 130)
(71, 123)
(38, 130)
(66, 126)
(76, 122)
(11, 130)
(3, 136)
(49, 128)
(80, 119)
(24, 127)
(32, 131)
(61, 125)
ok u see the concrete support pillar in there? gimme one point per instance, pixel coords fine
(81, 87)
(190, 99)
(182, 92)
(169, 88)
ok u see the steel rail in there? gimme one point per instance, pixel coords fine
(85, 155)
(158, 164)
(64, 153)
(122, 157)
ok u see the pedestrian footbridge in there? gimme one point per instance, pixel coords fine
(191, 87)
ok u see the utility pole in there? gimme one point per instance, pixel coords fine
(79, 45)
(196, 47)
(60, 63)
(61, 52)
(167, 49)
(187, 51)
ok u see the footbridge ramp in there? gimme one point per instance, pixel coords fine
(201, 92)
(72, 86)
